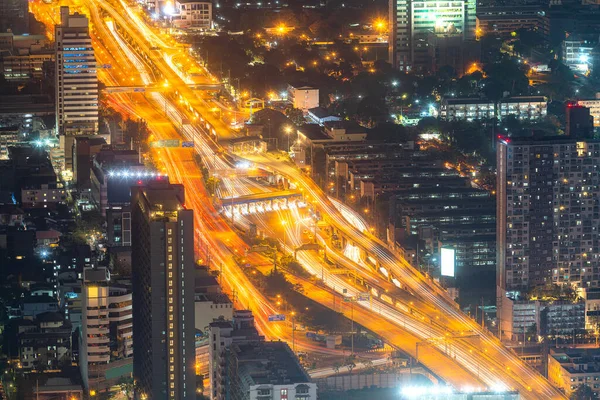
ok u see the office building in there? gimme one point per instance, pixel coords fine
(594, 106)
(547, 212)
(504, 20)
(530, 318)
(163, 299)
(193, 14)
(570, 368)
(411, 21)
(76, 82)
(14, 16)
(113, 171)
(579, 121)
(577, 51)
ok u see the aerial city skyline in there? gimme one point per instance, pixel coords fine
(309, 199)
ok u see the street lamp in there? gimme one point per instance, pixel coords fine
(283, 223)
(288, 130)
(293, 331)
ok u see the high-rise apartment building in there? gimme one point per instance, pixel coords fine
(547, 212)
(411, 22)
(94, 349)
(106, 342)
(163, 292)
(76, 82)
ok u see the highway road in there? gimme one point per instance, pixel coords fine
(482, 357)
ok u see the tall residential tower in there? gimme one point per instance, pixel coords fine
(548, 215)
(413, 22)
(163, 292)
(76, 82)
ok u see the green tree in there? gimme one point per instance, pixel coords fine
(350, 362)
(127, 386)
(295, 115)
(583, 392)
(336, 366)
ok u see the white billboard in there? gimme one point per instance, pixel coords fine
(448, 257)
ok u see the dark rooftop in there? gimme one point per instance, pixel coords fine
(269, 363)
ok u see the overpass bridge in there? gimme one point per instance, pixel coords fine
(145, 89)
(260, 202)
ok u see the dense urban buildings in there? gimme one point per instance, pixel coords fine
(76, 82)
(570, 368)
(113, 287)
(412, 21)
(247, 367)
(163, 299)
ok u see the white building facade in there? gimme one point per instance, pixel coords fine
(76, 82)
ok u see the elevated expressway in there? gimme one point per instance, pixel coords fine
(482, 356)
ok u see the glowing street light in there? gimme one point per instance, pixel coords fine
(379, 25)
(288, 130)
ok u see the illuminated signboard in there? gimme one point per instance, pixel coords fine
(448, 258)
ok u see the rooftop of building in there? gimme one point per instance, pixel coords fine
(511, 9)
(383, 150)
(269, 363)
(313, 132)
(571, 358)
(351, 127)
(419, 181)
(50, 316)
(215, 298)
(164, 196)
(524, 99)
(204, 281)
(448, 203)
(459, 212)
(447, 190)
(319, 112)
(466, 100)
(480, 100)
(544, 140)
(44, 298)
(301, 86)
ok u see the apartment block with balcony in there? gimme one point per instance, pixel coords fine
(246, 367)
(523, 107)
(548, 213)
(467, 109)
(45, 342)
(570, 368)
